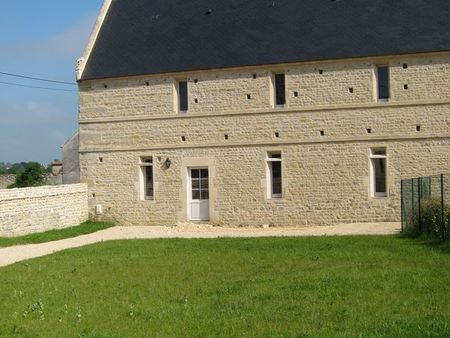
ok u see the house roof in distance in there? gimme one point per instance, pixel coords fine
(162, 36)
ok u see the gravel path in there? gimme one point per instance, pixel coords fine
(23, 252)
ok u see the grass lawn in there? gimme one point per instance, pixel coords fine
(381, 286)
(55, 235)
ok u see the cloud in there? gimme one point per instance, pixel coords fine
(69, 43)
(32, 113)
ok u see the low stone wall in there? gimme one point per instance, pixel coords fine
(6, 180)
(29, 210)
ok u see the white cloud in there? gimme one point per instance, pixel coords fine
(68, 43)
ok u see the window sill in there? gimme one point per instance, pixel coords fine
(379, 197)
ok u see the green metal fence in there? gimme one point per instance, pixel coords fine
(426, 206)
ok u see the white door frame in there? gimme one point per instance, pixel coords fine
(189, 194)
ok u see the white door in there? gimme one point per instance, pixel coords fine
(199, 194)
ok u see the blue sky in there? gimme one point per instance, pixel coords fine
(40, 39)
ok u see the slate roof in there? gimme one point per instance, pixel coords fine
(161, 36)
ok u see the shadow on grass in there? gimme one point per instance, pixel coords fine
(426, 240)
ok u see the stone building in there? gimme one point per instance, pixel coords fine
(71, 160)
(252, 112)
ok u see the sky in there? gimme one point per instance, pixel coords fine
(40, 39)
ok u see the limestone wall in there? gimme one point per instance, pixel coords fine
(323, 183)
(324, 131)
(317, 84)
(30, 210)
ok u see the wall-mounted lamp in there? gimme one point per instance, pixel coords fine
(168, 163)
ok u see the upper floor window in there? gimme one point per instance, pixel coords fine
(383, 83)
(280, 89)
(183, 104)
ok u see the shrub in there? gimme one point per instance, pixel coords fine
(431, 214)
(32, 176)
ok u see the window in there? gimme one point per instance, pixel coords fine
(280, 89)
(183, 96)
(200, 184)
(378, 163)
(147, 179)
(383, 83)
(274, 162)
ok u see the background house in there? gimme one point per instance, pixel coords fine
(71, 160)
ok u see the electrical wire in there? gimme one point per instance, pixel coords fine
(37, 87)
(38, 79)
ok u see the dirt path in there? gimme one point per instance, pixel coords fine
(20, 253)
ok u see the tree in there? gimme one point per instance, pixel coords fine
(17, 168)
(32, 176)
(3, 171)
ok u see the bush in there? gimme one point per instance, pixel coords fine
(32, 176)
(431, 214)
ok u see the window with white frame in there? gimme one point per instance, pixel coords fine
(274, 168)
(147, 185)
(378, 164)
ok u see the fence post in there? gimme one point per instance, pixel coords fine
(419, 195)
(442, 210)
(401, 204)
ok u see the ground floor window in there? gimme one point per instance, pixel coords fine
(378, 162)
(274, 165)
(147, 179)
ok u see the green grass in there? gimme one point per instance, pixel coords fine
(381, 286)
(55, 235)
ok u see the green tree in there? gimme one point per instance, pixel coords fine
(32, 176)
(17, 168)
(3, 171)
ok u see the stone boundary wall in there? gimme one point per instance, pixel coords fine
(6, 180)
(30, 210)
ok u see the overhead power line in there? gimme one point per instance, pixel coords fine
(37, 87)
(38, 79)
